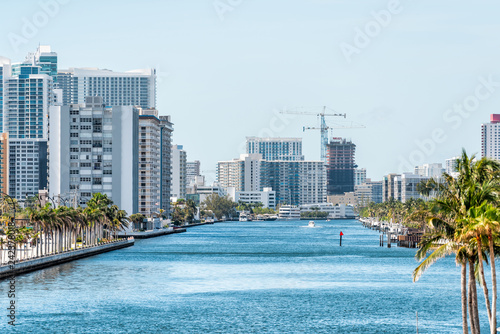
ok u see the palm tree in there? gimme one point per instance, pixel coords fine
(450, 215)
(484, 225)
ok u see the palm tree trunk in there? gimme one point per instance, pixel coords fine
(483, 282)
(474, 313)
(471, 309)
(494, 287)
(463, 282)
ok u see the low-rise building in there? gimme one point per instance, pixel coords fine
(289, 212)
(334, 211)
(348, 198)
(267, 197)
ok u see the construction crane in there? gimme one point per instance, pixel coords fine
(323, 127)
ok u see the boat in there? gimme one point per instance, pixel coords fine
(311, 224)
(243, 217)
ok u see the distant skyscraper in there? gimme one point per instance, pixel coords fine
(340, 166)
(430, 170)
(490, 138)
(192, 171)
(132, 88)
(390, 188)
(450, 166)
(359, 176)
(179, 161)
(294, 182)
(285, 149)
(94, 149)
(368, 191)
(242, 174)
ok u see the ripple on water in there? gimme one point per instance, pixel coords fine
(253, 277)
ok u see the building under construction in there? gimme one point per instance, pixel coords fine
(340, 166)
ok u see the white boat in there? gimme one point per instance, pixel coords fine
(311, 224)
(243, 217)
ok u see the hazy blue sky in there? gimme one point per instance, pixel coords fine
(225, 68)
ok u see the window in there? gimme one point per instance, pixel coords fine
(74, 172)
(85, 179)
(85, 164)
(74, 135)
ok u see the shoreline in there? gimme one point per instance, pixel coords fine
(56, 259)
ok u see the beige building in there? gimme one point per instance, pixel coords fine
(347, 199)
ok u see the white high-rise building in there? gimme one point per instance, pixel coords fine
(434, 170)
(285, 149)
(450, 166)
(131, 88)
(490, 138)
(243, 174)
(155, 154)
(192, 171)
(179, 179)
(407, 186)
(94, 149)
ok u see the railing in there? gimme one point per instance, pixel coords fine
(5, 260)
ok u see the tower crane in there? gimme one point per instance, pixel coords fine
(323, 126)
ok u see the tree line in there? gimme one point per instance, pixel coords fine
(47, 229)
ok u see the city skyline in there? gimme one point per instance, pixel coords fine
(216, 63)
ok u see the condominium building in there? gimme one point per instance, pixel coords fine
(94, 149)
(451, 166)
(367, 192)
(490, 138)
(285, 149)
(131, 88)
(155, 152)
(4, 163)
(434, 170)
(359, 176)
(408, 185)
(340, 166)
(243, 173)
(27, 95)
(179, 178)
(44, 58)
(295, 182)
(192, 171)
(390, 189)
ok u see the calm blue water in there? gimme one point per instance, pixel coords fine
(254, 277)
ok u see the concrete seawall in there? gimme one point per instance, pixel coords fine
(51, 260)
(150, 234)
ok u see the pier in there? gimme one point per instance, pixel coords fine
(394, 232)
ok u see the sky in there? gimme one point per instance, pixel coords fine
(420, 76)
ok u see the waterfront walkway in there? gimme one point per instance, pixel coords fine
(50, 260)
